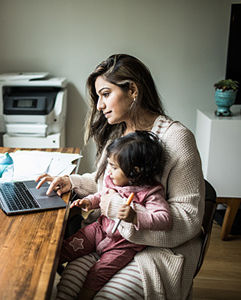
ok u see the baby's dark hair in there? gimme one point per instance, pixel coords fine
(140, 156)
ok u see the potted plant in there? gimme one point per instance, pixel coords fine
(225, 94)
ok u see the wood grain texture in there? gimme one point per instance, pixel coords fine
(29, 249)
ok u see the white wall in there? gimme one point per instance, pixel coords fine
(183, 42)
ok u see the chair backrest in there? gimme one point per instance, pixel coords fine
(210, 207)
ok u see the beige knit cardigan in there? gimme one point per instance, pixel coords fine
(167, 266)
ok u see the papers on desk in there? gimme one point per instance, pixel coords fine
(28, 165)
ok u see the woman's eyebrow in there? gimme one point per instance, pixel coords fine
(105, 87)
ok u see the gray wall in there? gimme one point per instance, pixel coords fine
(183, 42)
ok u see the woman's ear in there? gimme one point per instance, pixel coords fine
(133, 90)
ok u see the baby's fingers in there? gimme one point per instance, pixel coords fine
(76, 203)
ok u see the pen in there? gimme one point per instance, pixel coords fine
(128, 202)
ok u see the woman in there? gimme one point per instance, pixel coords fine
(124, 99)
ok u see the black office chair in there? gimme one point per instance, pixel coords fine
(210, 207)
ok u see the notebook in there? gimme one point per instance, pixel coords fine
(22, 197)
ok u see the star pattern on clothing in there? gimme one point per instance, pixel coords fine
(77, 244)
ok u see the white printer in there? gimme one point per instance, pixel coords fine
(34, 110)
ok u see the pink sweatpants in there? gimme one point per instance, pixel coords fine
(115, 252)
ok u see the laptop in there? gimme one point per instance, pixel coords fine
(20, 197)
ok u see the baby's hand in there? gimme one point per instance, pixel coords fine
(127, 213)
(85, 204)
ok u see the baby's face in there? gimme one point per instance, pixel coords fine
(116, 174)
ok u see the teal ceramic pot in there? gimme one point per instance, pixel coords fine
(224, 100)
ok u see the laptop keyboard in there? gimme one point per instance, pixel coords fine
(17, 197)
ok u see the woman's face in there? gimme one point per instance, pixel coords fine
(113, 101)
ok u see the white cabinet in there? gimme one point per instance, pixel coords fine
(219, 143)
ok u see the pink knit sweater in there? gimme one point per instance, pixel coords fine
(157, 214)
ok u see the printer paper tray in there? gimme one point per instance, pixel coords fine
(29, 129)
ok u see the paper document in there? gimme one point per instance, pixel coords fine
(28, 165)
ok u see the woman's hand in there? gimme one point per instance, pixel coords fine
(85, 204)
(127, 213)
(59, 184)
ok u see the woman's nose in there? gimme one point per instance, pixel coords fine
(100, 104)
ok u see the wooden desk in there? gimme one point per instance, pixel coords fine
(29, 249)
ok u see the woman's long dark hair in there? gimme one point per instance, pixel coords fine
(121, 70)
(140, 156)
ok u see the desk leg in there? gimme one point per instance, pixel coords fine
(230, 214)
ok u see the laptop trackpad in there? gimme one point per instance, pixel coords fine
(53, 200)
(41, 193)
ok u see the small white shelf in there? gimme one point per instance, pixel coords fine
(219, 143)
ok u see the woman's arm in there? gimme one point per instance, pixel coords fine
(83, 185)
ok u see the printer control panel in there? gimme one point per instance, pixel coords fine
(28, 101)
